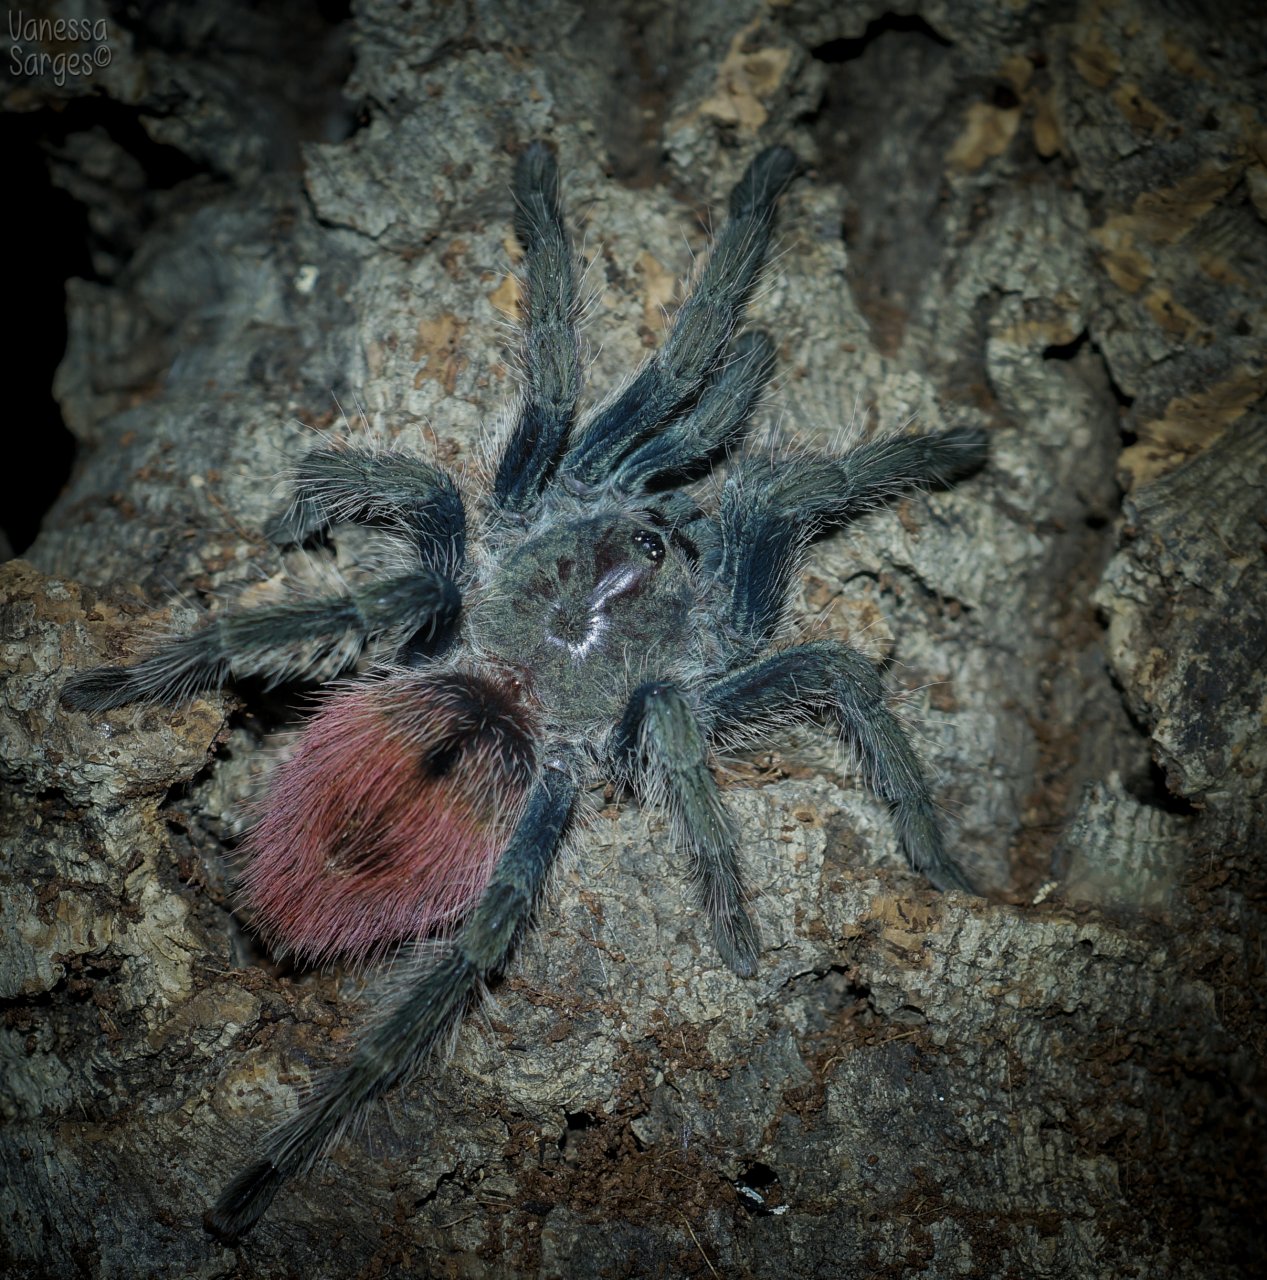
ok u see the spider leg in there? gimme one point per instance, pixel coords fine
(701, 329)
(660, 739)
(309, 639)
(830, 676)
(770, 509)
(552, 358)
(408, 495)
(712, 424)
(410, 1025)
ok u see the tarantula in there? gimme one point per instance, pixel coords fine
(601, 621)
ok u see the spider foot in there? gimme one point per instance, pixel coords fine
(243, 1202)
(737, 941)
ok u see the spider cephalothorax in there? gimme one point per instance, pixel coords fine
(602, 621)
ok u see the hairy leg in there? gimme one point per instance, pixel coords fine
(551, 357)
(830, 676)
(410, 1025)
(713, 423)
(701, 331)
(307, 639)
(403, 493)
(660, 743)
(769, 510)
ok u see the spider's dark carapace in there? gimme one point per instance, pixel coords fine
(597, 618)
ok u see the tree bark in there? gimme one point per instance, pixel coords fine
(1051, 229)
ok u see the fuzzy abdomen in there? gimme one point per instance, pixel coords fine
(387, 820)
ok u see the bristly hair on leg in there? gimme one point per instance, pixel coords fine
(406, 1029)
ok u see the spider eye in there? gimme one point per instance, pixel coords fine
(650, 544)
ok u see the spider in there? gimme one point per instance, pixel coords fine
(603, 619)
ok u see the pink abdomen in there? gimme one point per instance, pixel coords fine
(387, 820)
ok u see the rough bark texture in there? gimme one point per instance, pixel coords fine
(1048, 223)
